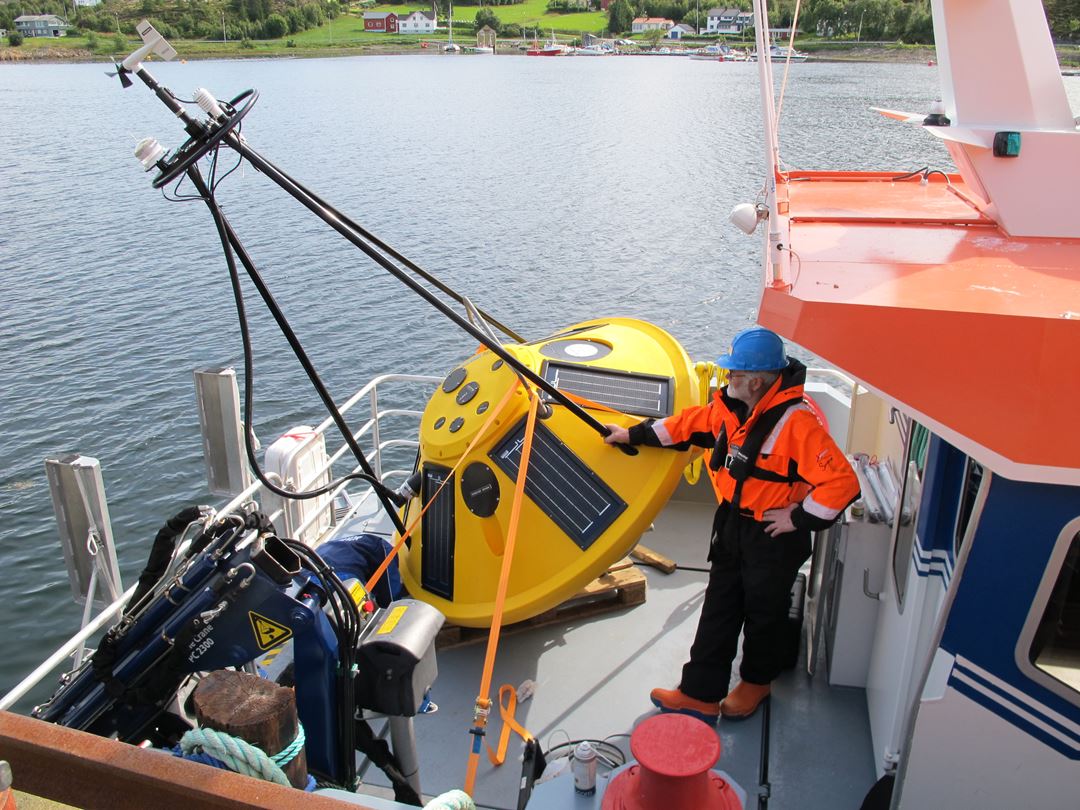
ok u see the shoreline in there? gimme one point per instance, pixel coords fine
(48, 55)
(1068, 56)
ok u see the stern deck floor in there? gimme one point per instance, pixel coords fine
(593, 677)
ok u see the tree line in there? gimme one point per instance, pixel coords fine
(908, 21)
(182, 19)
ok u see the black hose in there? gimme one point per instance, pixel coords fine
(231, 242)
(161, 552)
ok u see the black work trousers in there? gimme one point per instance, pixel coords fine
(749, 590)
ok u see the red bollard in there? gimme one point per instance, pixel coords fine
(674, 756)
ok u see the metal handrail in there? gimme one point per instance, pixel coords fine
(370, 391)
(372, 425)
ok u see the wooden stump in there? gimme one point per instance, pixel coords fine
(254, 709)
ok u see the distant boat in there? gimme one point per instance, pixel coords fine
(479, 49)
(550, 48)
(450, 47)
(718, 53)
(592, 50)
(779, 53)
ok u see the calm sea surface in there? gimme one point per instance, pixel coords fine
(549, 191)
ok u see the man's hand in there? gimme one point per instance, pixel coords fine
(618, 435)
(778, 521)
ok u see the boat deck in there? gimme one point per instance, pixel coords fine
(593, 678)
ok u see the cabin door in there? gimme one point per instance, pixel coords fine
(918, 572)
(998, 722)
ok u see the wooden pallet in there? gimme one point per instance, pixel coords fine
(621, 586)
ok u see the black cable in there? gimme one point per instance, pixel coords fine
(366, 242)
(611, 755)
(228, 241)
(346, 626)
(338, 221)
(765, 787)
(910, 175)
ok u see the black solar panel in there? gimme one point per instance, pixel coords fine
(437, 551)
(638, 394)
(561, 484)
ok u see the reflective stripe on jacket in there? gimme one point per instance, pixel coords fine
(799, 462)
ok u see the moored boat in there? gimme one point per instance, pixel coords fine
(780, 53)
(550, 48)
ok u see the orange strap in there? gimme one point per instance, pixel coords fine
(375, 577)
(507, 706)
(483, 702)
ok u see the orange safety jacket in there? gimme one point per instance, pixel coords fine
(798, 461)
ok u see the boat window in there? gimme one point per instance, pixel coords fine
(907, 507)
(973, 476)
(1055, 647)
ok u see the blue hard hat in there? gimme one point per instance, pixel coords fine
(754, 349)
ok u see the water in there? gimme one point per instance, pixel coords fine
(549, 191)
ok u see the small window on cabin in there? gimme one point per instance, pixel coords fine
(1055, 648)
(907, 507)
(973, 476)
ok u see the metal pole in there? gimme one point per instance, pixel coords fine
(775, 257)
(403, 744)
(328, 215)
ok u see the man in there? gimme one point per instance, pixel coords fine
(779, 476)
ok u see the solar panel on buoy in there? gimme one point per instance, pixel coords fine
(639, 394)
(575, 498)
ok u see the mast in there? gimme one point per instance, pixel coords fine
(775, 258)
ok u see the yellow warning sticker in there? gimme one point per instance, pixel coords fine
(356, 591)
(392, 620)
(268, 633)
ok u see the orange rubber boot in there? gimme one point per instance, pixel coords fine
(743, 700)
(674, 701)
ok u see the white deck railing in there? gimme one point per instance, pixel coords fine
(373, 426)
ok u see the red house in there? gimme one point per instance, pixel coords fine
(385, 21)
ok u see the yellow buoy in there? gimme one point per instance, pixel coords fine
(586, 502)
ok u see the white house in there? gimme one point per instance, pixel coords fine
(728, 21)
(40, 25)
(419, 22)
(651, 24)
(681, 30)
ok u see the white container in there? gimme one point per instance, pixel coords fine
(299, 459)
(584, 769)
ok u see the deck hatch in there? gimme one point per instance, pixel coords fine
(575, 498)
(437, 551)
(638, 394)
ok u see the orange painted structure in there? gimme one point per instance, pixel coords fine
(911, 289)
